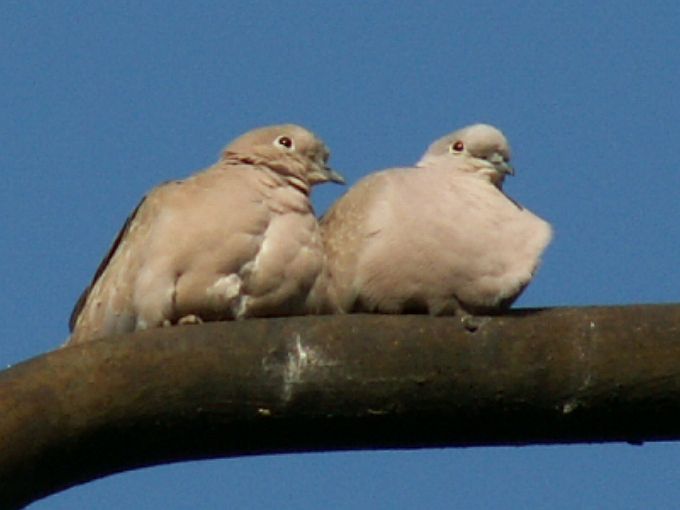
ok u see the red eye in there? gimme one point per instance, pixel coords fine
(458, 146)
(285, 142)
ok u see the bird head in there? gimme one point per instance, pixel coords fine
(479, 149)
(289, 150)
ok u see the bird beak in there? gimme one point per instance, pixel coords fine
(325, 174)
(334, 176)
(501, 166)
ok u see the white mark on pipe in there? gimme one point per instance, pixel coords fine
(300, 360)
(569, 406)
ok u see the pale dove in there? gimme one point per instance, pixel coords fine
(236, 240)
(440, 238)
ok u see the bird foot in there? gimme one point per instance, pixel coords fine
(189, 319)
(472, 323)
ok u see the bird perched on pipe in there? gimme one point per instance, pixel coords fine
(239, 239)
(439, 238)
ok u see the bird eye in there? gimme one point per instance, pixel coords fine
(457, 146)
(285, 141)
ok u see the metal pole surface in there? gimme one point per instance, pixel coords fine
(562, 375)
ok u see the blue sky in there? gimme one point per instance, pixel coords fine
(103, 100)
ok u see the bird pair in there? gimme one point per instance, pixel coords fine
(240, 239)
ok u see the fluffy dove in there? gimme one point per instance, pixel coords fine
(440, 238)
(239, 239)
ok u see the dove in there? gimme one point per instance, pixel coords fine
(439, 238)
(239, 239)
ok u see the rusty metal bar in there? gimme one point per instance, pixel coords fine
(560, 375)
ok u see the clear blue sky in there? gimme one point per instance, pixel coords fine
(103, 100)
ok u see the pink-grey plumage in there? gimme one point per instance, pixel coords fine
(440, 238)
(236, 240)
